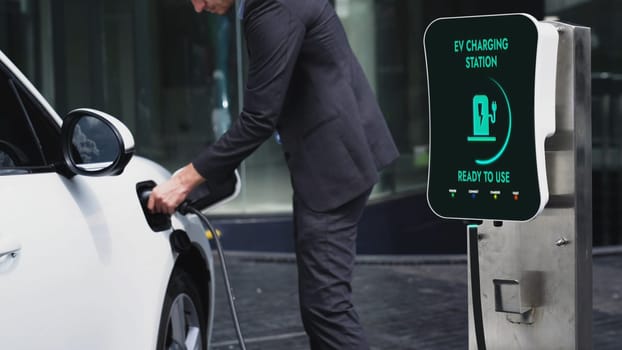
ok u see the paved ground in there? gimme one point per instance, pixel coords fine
(408, 303)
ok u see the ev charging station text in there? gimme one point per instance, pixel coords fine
(486, 176)
(481, 45)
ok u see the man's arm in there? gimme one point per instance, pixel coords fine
(274, 36)
(166, 197)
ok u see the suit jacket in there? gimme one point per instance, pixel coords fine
(305, 82)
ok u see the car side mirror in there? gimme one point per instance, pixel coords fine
(95, 143)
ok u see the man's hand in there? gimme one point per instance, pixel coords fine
(167, 196)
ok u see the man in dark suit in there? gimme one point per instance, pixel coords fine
(305, 83)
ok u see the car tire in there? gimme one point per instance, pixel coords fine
(182, 324)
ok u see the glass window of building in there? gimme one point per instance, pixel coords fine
(176, 77)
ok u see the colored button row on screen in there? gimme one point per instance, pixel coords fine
(473, 194)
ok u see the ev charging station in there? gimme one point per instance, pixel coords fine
(510, 154)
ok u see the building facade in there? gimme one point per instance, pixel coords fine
(176, 79)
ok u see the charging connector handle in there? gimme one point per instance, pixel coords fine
(157, 221)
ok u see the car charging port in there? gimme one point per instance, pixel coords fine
(158, 222)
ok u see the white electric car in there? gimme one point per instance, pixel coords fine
(80, 265)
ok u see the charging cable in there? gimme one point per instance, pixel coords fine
(476, 298)
(186, 208)
(160, 222)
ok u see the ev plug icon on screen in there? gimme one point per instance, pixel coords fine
(482, 119)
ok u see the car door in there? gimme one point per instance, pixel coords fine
(55, 246)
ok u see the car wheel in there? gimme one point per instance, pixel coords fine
(182, 324)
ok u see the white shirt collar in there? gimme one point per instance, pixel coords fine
(241, 9)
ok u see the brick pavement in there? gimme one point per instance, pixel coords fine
(404, 303)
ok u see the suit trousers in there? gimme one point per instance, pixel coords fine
(325, 252)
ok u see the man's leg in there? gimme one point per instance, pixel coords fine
(325, 251)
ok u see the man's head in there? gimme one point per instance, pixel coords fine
(219, 7)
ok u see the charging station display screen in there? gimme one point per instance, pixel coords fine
(481, 76)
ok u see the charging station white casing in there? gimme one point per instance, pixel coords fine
(544, 100)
